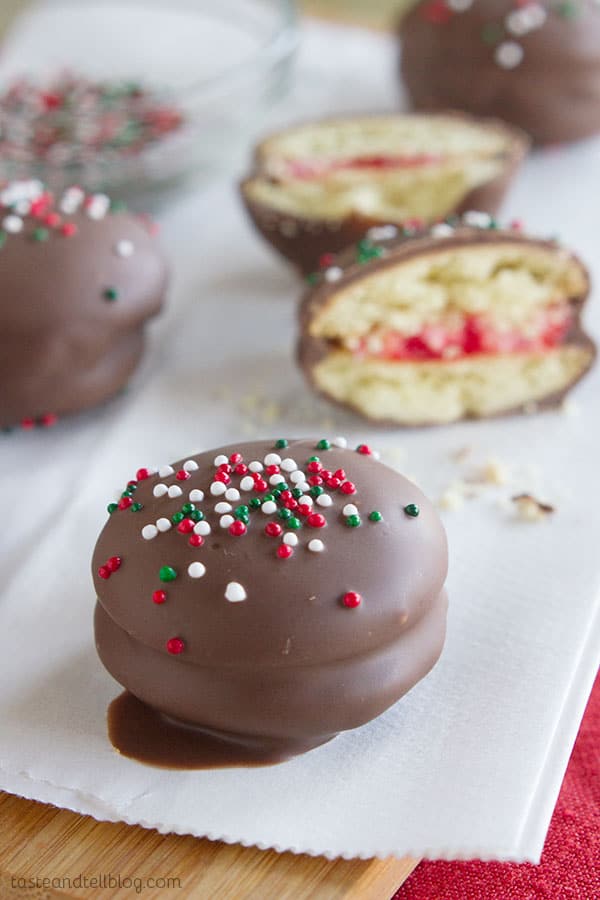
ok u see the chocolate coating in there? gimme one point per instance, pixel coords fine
(463, 62)
(64, 344)
(289, 665)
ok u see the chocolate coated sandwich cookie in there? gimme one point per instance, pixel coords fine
(463, 320)
(258, 599)
(79, 279)
(317, 187)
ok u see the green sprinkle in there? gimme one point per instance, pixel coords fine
(196, 515)
(241, 511)
(2, 238)
(294, 523)
(110, 293)
(285, 514)
(117, 206)
(323, 444)
(313, 459)
(412, 510)
(567, 10)
(297, 493)
(245, 519)
(176, 518)
(127, 493)
(353, 521)
(313, 277)
(283, 486)
(277, 493)
(40, 234)
(281, 444)
(111, 508)
(167, 573)
(256, 503)
(187, 508)
(375, 516)
(492, 33)
(268, 497)
(366, 251)
(316, 491)
(135, 507)
(493, 226)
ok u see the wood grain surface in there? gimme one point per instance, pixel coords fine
(45, 853)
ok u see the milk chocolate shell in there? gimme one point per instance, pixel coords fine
(535, 64)
(460, 321)
(318, 187)
(273, 593)
(79, 278)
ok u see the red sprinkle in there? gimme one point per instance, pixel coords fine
(196, 540)
(326, 260)
(159, 596)
(224, 467)
(314, 480)
(236, 458)
(325, 473)
(237, 528)
(304, 509)
(286, 495)
(175, 645)
(260, 485)
(314, 466)
(223, 477)
(48, 419)
(273, 529)
(27, 423)
(104, 572)
(113, 563)
(241, 469)
(348, 488)
(351, 599)
(364, 449)
(185, 526)
(333, 482)
(182, 475)
(124, 502)
(142, 474)
(284, 551)
(68, 229)
(316, 520)
(52, 220)
(272, 470)
(339, 473)
(291, 504)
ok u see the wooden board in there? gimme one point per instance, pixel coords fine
(41, 842)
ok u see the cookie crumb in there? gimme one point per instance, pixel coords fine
(530, 509)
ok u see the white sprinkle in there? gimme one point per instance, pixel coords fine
(508, 54)
(272, 459)
(442, 230)
(288, 464)
(196, 496)
(190, 465)
(324, 500)
(124, 248)
(196, 570)
(308, 501)
(98, 206)
(316, 545)
(159, 490)
(247, 483)
(232, 494)
(22, 207)
(234, 592)
(375, 454)
(165, 471)
(149, 532)
(268, 507)
(333, 273)
(202, 528)
(303, 486)
(475, 219)
(217, 488)
(226, 521)
(297, 476)
(164, 524)
(21, 190)
(340, 442)
(255, 466)
(350, 510)
(276, 479)
(220, 460)
(12, 224)
(290, 538)
(175, 491)
(382, 233)
(71, 200)
(223, 507)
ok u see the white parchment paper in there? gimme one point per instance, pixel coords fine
(470, 763)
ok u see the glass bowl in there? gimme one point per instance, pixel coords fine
(158, 90)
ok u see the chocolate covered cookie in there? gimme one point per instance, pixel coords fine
(463, 320)
(318, 187)
(266, 596)
(535, 64)
(79, 279)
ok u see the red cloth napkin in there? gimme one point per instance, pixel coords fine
(570, 864)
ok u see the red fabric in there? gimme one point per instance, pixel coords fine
(570, 864)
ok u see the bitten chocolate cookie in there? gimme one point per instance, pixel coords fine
(79, 279)
(460, 321)
(318, 187)
(270, 594)
(535, 64)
